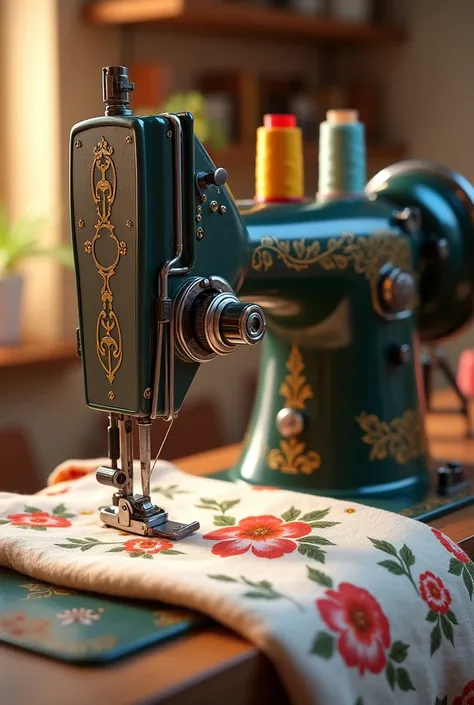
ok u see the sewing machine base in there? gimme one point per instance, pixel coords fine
(431, 506)
(152, 522)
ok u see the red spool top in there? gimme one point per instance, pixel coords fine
(270, 121)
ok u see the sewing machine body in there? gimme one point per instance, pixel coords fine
(332, 352)
(349, 283)
(337, 367)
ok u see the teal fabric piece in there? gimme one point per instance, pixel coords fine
(83, 627)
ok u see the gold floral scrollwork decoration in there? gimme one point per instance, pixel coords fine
(401, 439)
(103, 178)
(365, 255)
(291, 456)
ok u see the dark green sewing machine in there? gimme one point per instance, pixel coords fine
(348, 283)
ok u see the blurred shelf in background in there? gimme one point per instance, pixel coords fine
(238, 18)
(63, 351)
(244, 154)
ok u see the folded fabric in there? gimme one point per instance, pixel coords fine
(352, 604)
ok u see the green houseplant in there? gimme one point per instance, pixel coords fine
(19, 241)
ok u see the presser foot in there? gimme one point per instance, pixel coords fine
(137, 515)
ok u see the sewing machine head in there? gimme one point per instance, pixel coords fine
(159, 250)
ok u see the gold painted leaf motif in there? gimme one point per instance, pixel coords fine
(402, 438)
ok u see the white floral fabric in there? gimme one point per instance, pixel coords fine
(354, 605)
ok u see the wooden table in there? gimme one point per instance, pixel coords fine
(211, 665)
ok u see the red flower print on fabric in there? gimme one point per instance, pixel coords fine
(433, 592)
(451, 546)
(147, 546)
(39, 519)
(467, 697)
(19, 625)
(67, 474)
(266, 536)
(364, 630)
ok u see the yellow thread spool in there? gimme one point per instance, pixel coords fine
(279, 171)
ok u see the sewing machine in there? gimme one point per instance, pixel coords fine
(347, 283)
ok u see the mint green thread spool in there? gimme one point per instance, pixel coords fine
(342, 159)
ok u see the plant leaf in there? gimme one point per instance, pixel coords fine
(384, 546)
(117, 549)
(455, 566)
(431, 616)
(392, 567)
(399, 651)
(314, 516)
(87, 546)
(222, 520)
(261, 595)
(312, 552)
(135, 555)
(223, 578)
(324, 524)
(35, 528)
(60, 509)
(228, 505)
(323, 645)
(291, 514)
(452, 617)
(447, 628)
(466, 576)
(148, 555)
(319, 577)
(390, 674)
(208, 501)
(407, 556)
(4, 521)
(172, 552)
(66, 516)
(404, 680)
(66, 545)
(32, 510)
(316, 540)
(435, 639)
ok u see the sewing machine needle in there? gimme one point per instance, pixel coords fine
(144, 442)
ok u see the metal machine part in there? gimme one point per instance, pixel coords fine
(109, 164)
(210, 320)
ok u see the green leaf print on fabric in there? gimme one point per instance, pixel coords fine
(261, 590)
(140, 547)
(219, 519)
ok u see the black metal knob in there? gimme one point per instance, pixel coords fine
(111, 477)
(397, 289)
(399, 354)
(450, 478)
(216, 177)
(409, 219)
(116, 89)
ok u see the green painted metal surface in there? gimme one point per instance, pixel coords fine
(326, 354)
(144, 195)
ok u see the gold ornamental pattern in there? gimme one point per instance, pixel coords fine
(401, 439)
(291, 457)
(104, 188)
(365, 255)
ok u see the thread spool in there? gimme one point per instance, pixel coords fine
(279, 174)
(342, 159)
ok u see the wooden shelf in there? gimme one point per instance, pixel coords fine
(37, 354)
(242, 154)
(236, 18)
